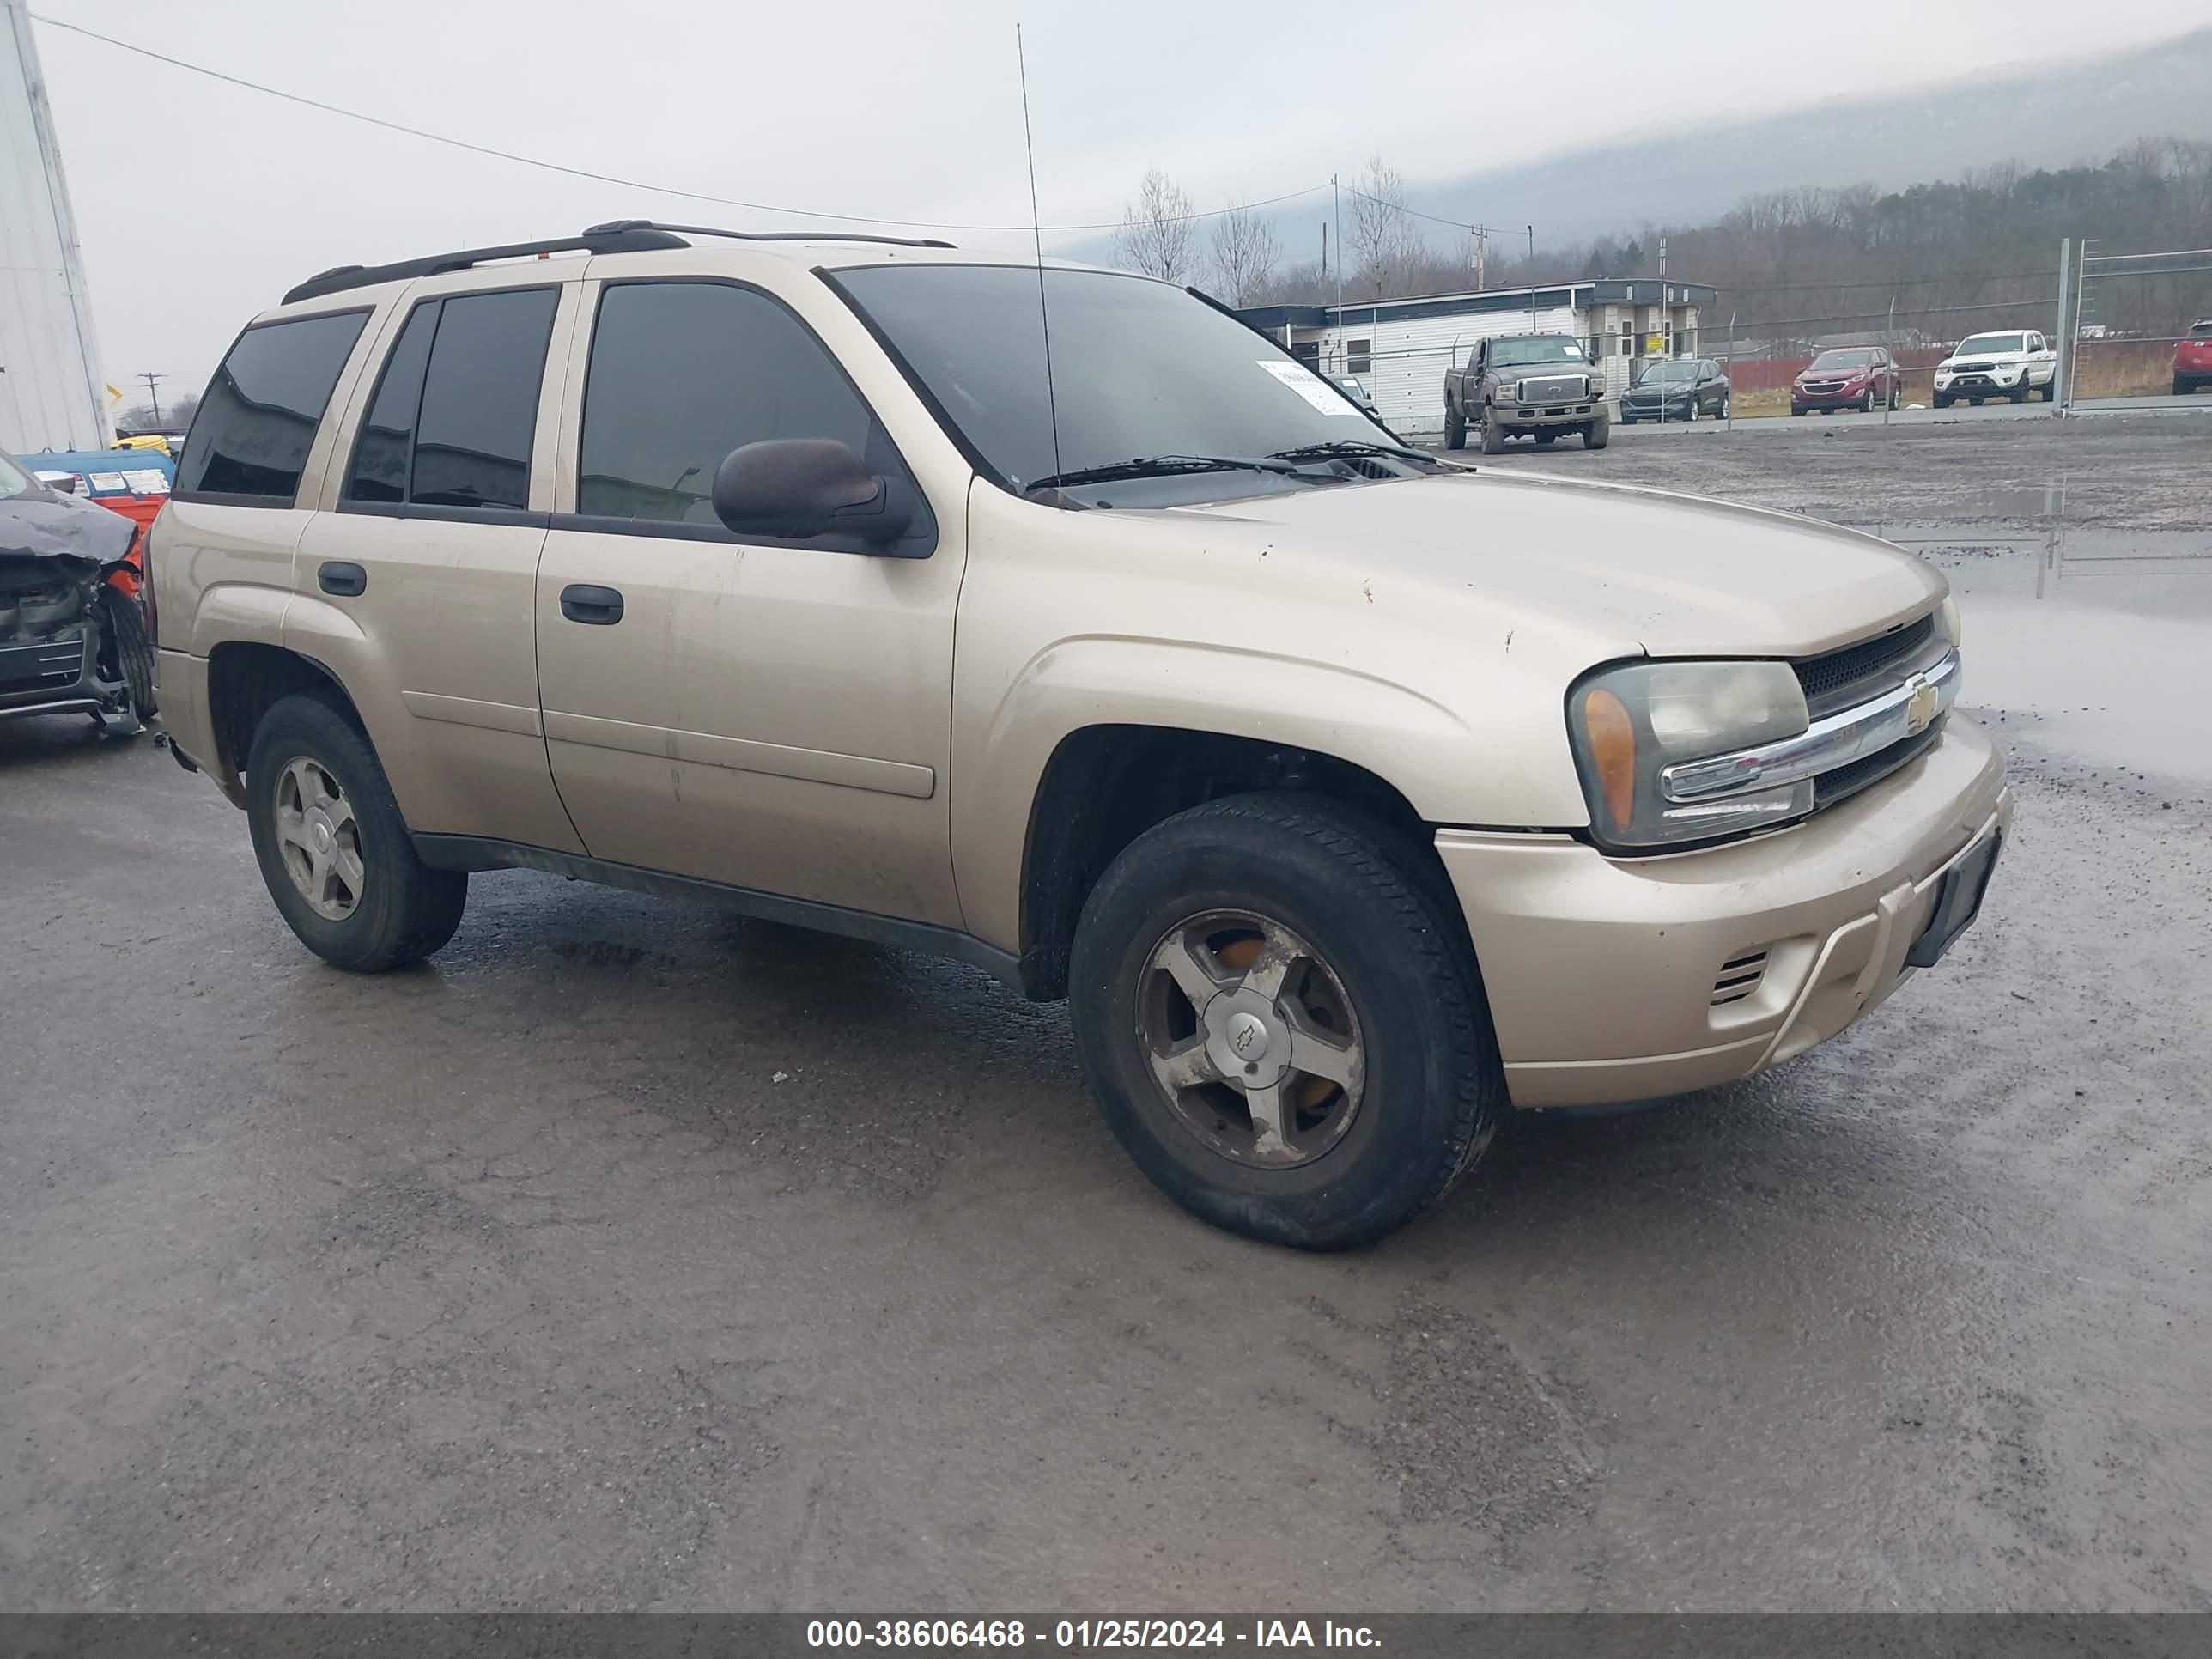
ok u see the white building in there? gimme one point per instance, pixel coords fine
(53, 395)
(1399, 348)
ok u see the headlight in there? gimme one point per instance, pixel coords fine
(1948, 623)
(1502, 393)
(1628, 723)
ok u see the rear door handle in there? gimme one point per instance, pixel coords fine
(597, 607)
(346, 580)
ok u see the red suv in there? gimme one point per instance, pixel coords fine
(1849, 377)
(2192, 359)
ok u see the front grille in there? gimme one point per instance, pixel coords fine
(1738, 977)
(1972, 368)
(1833, 681)
(1869, 769)
(1555, 388)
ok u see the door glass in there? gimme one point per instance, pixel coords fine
(479, 407)
(257, 422)
(683, 373)
(381, 453)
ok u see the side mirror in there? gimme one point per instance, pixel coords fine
(800, 487)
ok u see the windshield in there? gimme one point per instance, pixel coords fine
(1515, 354)
(1140, 368)
(1668, 372)
(1842, 359)
(2201, 332)
(1973, 345)
(14, 481)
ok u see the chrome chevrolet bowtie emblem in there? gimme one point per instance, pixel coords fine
(1922, 708)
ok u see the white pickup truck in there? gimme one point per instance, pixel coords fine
(2008, 364)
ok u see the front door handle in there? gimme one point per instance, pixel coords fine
(598, 607)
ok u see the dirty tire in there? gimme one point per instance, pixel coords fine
(1596, 434)
(407, 911)
(1455, 429)
(1361, 894)
(1493, 435)
(129, 652)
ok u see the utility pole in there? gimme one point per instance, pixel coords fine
(1532, 247)
(153, 383)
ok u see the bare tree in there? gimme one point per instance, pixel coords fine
(1245, 255)
(1158, 234)
(1383, 236)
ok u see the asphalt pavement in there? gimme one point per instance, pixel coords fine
(632, 1255)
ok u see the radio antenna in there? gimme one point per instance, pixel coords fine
(1036, 233)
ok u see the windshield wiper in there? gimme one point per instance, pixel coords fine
(1349, 447)
(1164, 467)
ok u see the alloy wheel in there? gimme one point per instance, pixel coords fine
(1251, 1039)
(319, 838)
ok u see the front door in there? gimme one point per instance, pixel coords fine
(769, 715)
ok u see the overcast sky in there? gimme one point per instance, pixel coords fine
(199, 203)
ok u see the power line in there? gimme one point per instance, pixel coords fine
(609, 177)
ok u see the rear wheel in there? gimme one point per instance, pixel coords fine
(1282, 1022)
(1455, 429)
(334, 851)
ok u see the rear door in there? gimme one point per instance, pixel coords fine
(420, 576)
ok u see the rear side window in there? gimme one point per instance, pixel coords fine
(250, 440)
(683, 373)
(456, 409)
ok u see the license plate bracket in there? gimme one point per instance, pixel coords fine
(1958, 902)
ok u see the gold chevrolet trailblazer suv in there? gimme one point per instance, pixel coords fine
(1052, 619)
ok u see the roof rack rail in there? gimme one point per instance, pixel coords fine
(615, 225)
(631, 237)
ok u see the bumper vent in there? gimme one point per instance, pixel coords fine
(1738, 977)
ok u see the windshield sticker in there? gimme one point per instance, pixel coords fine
(1309, 386)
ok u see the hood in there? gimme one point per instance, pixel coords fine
(46, 524)
(2004, 357)
(1858, 373)
(1628, 568)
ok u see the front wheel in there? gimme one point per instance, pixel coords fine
(333, 849)
(1282, 1022)
(1455, 429)
(1493, 435)
(2019, 393)
(1941, 400)
(1599, 428)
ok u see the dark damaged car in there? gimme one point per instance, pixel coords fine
(73, 633)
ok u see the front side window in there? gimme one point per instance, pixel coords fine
(1139, 369)
(255, 426)
(14, 481)
(456, 410)
(683, 373)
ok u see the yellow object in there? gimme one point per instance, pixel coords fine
(146, 441)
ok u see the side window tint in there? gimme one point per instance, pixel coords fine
(386, 443)
(257, 421)
(480, 399)
(683, 373)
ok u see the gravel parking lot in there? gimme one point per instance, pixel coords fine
(635, 1257)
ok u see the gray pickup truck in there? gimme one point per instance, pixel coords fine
(1536, 386)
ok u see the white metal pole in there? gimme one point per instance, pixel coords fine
(56, 188)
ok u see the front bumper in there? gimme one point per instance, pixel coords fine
(1982, 382)
(1528, 417)
(54, 677)
(1627, 979)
